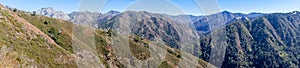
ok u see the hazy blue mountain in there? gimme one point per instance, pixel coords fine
(203, 24)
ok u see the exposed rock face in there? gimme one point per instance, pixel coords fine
(85, 17)
(112, 13)
(50, 12)
(91, 18)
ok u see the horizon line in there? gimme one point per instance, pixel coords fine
(161, 13)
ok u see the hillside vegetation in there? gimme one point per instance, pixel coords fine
(30, 40)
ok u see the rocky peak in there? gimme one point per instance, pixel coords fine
(50, 12)
(225, 12)
(47, 9)
(295, 12)
(242, 18)
(84, 17)
(112, 12)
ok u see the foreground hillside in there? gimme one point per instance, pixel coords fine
(29, 40)
(24, 45)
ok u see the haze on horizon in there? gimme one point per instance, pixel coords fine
(188, 6)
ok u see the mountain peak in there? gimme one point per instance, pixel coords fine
(47, 9)
(295, 12)
(225, 11)
(50, 12)
(112, 12)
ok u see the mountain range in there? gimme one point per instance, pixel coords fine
(223, 39)
(31, 40)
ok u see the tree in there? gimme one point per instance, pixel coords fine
(109, 32)
(47, 22)
(15, 10)
(33, 13)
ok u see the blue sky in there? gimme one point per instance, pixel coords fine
(188, 6)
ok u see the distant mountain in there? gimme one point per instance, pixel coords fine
(152, 26)
(50, 12)
(250, 40)
(30, 40)
(80, 17)
(91, 18)
(112, 13)
(106, 16)
(269, 40)
(254, 15)
(204, 24)
(84, 17)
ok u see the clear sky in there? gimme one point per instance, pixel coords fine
(188, 6)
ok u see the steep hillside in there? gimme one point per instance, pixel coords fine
(152, 26)
(250, 40)
(205, 24)
(24, 45)
(267, 41)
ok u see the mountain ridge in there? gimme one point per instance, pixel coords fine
(28, 48)
(251, 40)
